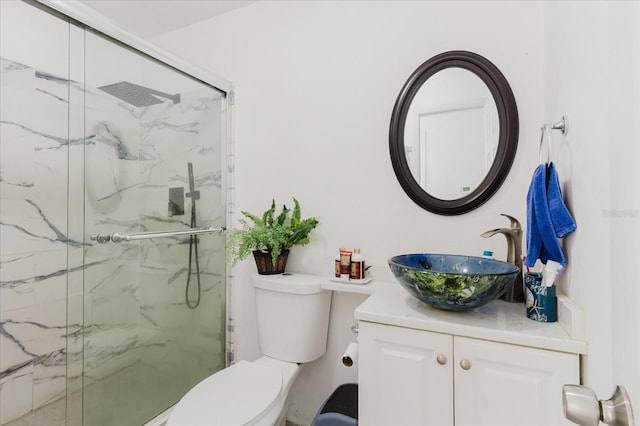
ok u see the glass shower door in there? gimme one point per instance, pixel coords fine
(153, 310)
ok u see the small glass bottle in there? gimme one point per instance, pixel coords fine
(357, 265)
(337, 267)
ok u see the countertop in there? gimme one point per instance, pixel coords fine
(497, 321)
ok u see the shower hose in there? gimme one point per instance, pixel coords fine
(193, 246)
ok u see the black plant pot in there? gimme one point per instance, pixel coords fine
(265, 264)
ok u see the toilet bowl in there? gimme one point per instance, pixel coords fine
(247, 393)
(292, 313)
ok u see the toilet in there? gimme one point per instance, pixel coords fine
(292, 313)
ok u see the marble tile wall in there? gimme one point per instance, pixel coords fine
(33, 238)
(72, 311)
(139, 289)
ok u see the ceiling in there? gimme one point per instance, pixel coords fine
(150, 18)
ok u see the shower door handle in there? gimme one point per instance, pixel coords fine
(118, 237)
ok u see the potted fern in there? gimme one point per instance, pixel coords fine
(269, 237)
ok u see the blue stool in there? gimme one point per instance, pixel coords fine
(340, 409)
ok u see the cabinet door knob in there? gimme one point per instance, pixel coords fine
(442, 360)
(465, 364)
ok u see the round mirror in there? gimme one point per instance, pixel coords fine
(454, 133)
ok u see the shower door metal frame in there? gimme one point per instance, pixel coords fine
(87, 16)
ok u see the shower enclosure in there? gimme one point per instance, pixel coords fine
(112, 205)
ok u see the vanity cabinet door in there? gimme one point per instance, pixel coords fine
(405, 376)
(502, 384)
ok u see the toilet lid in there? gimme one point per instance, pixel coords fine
(233, 396)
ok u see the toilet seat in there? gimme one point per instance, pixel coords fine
(237, 395)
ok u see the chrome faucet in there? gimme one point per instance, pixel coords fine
(514, 255)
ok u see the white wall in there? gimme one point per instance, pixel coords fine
(315, 84)
(592, 74)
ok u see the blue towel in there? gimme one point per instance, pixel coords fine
(563, 222)
(547, 217)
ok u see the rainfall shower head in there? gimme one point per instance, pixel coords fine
(138, 96)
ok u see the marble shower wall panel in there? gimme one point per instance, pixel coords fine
(33, 245)
(111, 271)
(181, 138)
(135, 292)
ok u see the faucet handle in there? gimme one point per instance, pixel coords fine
(514, 222)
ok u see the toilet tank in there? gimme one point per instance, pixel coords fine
(292, 313)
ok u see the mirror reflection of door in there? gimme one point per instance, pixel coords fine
(455, 120)
(452, 142)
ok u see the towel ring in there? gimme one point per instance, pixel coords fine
(561, 125)
(546, 128)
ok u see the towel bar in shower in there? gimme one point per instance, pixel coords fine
(118, 237)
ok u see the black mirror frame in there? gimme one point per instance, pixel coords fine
(507, 140)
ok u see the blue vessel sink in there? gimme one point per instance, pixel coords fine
(452, 282)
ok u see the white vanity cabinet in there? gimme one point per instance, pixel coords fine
(415, 377)
(400, 380)
(493, 366)
(502, 384)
